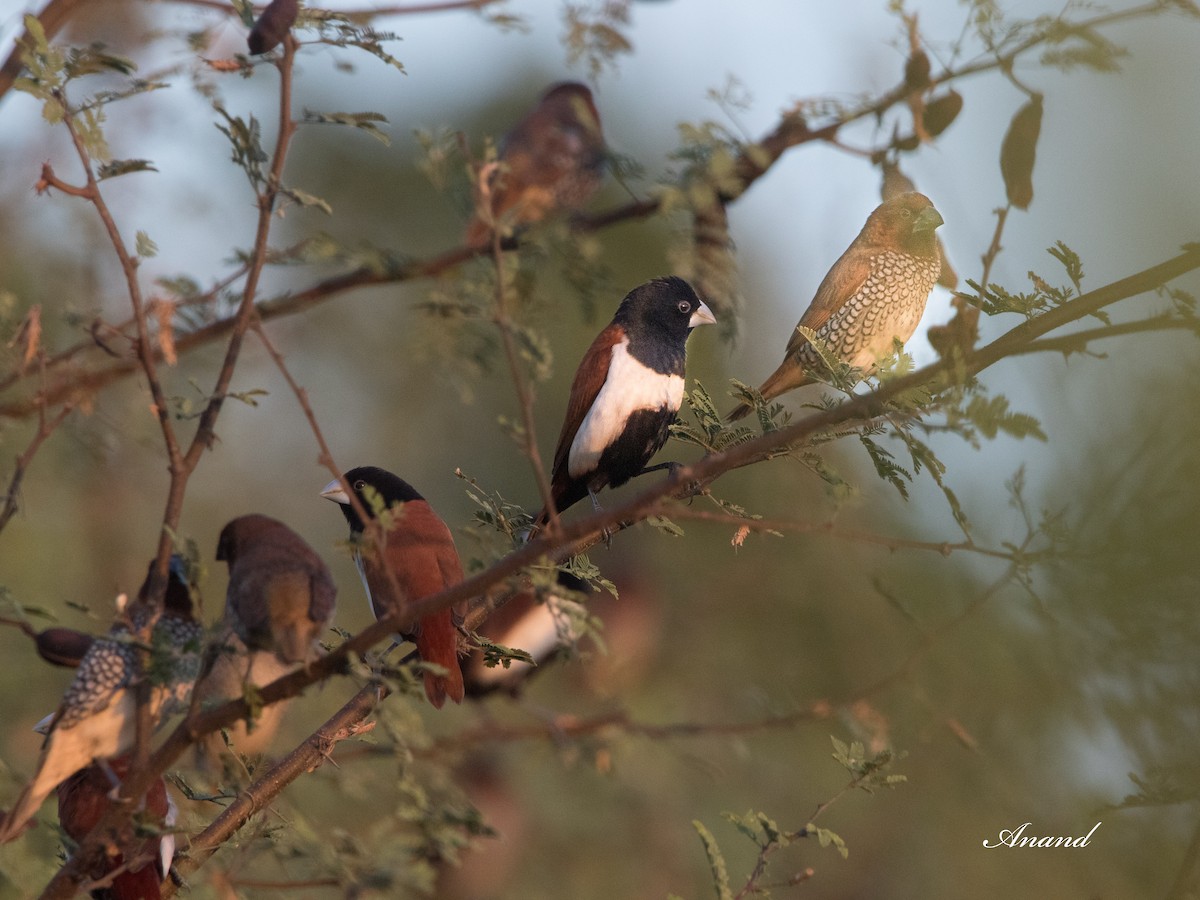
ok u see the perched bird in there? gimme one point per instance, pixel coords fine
(281, 596)
(552, 160)
(418, 561)
(540, 629)
(874, 294)
(85, 797)
(97, 717)
(626, 392)
(234, 667)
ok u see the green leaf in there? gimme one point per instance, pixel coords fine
(118, 167)
(363, 121)
(303, 198)
(146, 248)
(827, 838)
(716, 862)
(662, 523)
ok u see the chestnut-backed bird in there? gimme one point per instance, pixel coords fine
(97, 717)
(136, 863)
(281, 596)
(418, 560)
(873, 296)
(551, 161)
(626, 391)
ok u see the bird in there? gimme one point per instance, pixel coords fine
(418, 560)
(540, 629)
(281, 596)
(626, 392)
(85, 797)
(552, 160)
(874, 295)
(97, 717)
(233, 668)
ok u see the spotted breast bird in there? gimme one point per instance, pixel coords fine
(137, 862)
(552, 160)
(97, 717)
(874, 295)
(626, 392)
(281, 596)
(418, 561)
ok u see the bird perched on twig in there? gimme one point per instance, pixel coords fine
(234, 668)
(626, 392)
(552, 160)
(97, 717)
(418, 561)
(873, 296)
(135, 864)
(281, 596)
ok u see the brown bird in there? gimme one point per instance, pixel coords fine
(281, 596)
(874, 295)
(234, 668)
(419, 560)
(85, 797)
(97, 719)
(552, 160)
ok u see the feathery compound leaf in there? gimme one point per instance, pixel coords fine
(118, 167)
(1070, 261)
(716, 861)
(827, 838)
(363, 121)
(992, 415)
(886, 467)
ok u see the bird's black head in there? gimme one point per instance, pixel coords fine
(666, 307)
(391, 489)
(906, 222)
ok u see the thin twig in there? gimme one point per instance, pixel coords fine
(942, 548)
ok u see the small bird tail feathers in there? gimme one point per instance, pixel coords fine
(24, 809)
(437, 643)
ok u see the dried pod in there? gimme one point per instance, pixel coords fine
(1018, 152)
(940, 112)
(273, 25)
(916, 71)
(63, 646)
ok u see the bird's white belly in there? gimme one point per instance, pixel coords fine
(629, 387)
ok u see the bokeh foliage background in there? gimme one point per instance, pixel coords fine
(1017, 699)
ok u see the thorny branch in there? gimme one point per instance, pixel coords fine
(752, 163)
(937, 376)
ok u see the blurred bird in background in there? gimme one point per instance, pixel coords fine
(551, 161)
(136, 861)
(235, 666)
(873, 296)
(281, 596)
(97, 718)
(418, 561)
(626, 392)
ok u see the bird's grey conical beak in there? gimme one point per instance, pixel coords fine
(928, 220)
(702, 316)
(334, 491)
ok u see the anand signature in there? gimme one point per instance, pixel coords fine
(1016, 837)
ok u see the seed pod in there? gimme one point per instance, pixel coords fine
(1018, 152)
(63, 646)
(273, 25)
(941, 111)
(916, 71)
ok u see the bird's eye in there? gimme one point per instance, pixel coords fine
(685, 306)
(359, 485)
